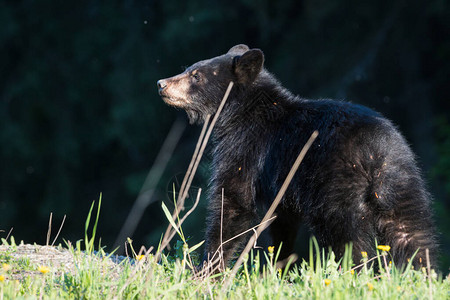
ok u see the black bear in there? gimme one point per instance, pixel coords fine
(358, 183)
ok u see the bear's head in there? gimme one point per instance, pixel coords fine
(201, 87)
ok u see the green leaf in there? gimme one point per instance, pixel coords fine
(86, 226)
(169, 217)
(193, 248)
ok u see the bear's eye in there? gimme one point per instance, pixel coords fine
(196, 76)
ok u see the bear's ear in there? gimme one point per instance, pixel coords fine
(248, 66)
(238, 49)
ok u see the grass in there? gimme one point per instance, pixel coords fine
(90, 274)
(79, 272)
(95, 276)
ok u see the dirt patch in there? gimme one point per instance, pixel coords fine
(25, 260)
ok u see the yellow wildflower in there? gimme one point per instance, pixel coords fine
(384, 248)
(44, 269)
(140, 257)
(271, 249)
(279, 272)
(2, 278)
(6, 267)
(327, 282)
(352, 271)
(364, 254)
(370, 286)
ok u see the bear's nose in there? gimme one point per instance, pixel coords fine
(161, 85)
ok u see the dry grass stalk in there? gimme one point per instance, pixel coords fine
(170, 232)
(180, 200)
(216, 261)
(197, 200)
(430, 286)
(272, 208)
(59, 231)
(49, 231)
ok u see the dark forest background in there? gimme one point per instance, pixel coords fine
(80, 114)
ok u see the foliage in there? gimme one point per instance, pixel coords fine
(322, 277)
(78, 274)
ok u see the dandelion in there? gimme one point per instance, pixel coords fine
(384, 248)
(271, 249)
(140, 257)
(327, 282)
(44, 269)
(2, 278)
(6, 267)
(370, 286)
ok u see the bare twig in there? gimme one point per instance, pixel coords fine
(221, 231)
(126, 248)
(272, 207)
(9, 233)
(190, 176)
(191, 164)
(364, 263)
(267, 222)
(144, 251)
(197, 200)
(49, 231)
(210, 267)
(212, 263)
(287, 261)
(386, 266)
(180, 202)
(205, 141)
(430, 287)
(59, 231)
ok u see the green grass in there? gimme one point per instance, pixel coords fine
(88, 274)
(95, 276)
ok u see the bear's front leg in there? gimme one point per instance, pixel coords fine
(224, 227)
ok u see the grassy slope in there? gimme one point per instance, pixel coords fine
(94, 277)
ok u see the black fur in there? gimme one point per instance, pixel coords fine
(358, 183)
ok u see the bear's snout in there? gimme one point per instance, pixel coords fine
(162, 84)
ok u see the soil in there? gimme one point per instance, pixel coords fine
(57, 258)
